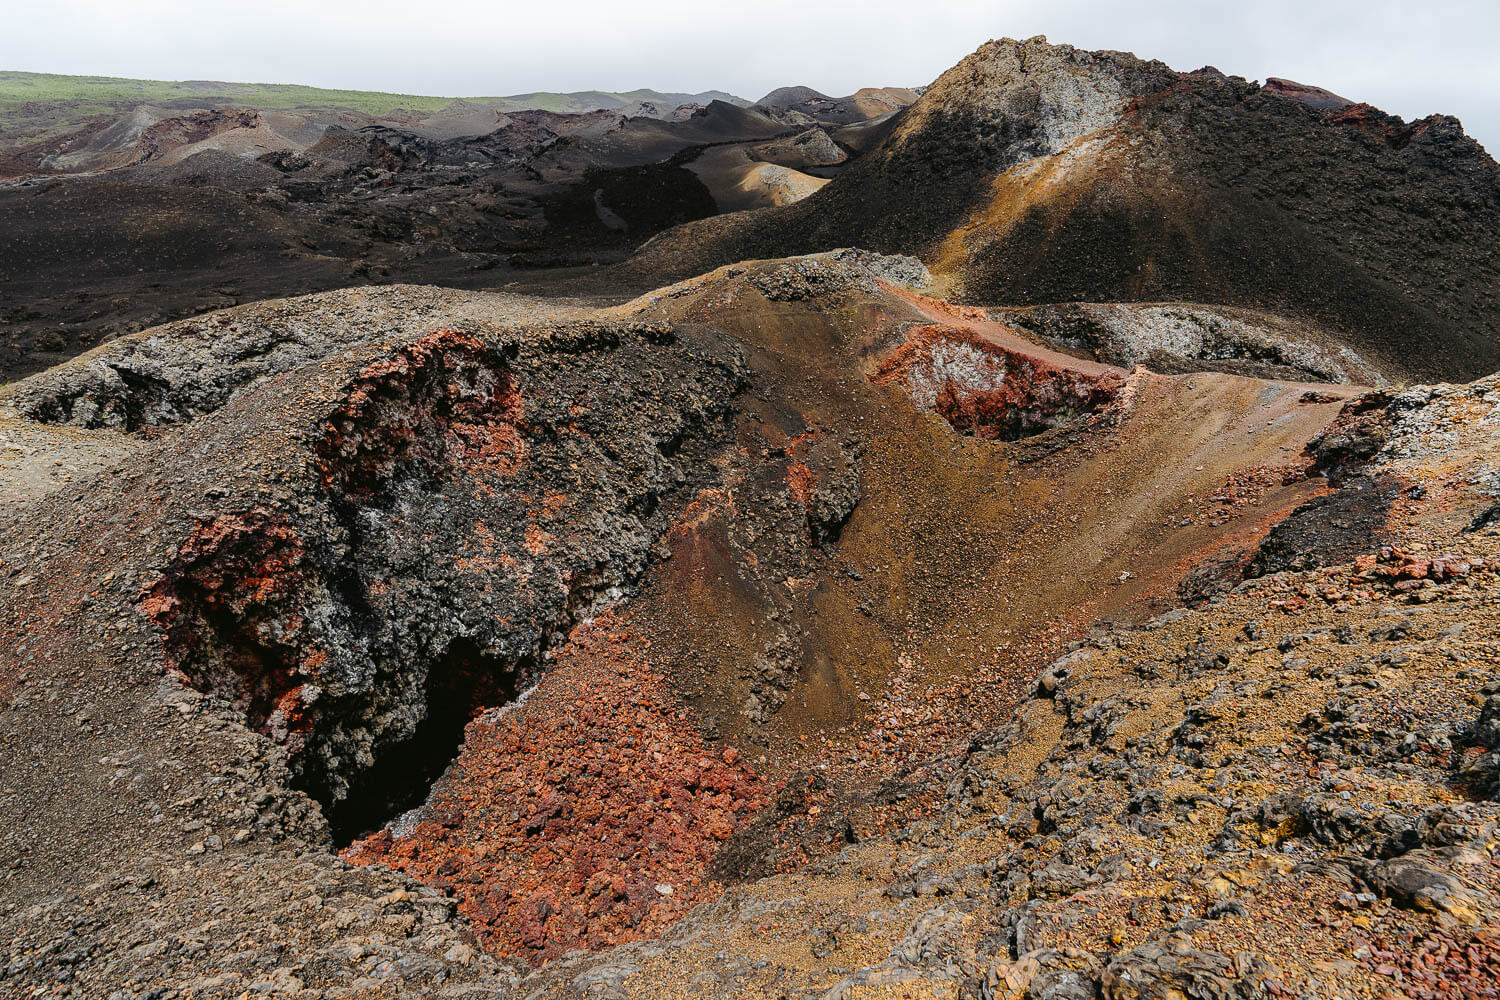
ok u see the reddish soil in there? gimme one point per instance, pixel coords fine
(1031, 394)
(585, 816)
(170, 134)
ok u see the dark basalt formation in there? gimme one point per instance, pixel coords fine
(116, 222)
(435, 527)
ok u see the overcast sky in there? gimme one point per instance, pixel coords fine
(1411, 58)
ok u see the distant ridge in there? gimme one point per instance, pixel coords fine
(17, 86)
(786, 97)
(604, 100)
(862, 105)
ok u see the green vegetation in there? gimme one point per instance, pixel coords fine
(91, 94)
(37, 108)
(102, 92)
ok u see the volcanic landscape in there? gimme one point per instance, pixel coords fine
(1035, 535)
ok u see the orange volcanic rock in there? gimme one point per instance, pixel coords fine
(245, 568)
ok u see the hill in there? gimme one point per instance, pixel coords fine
(1032, 173)
(807, 104)
(848, 627)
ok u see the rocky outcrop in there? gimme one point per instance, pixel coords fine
(1180, 337)
(845, 270)
(180, 371)
(812, 148)
(986, 390)
(170, 134)
(1315, 97)
(1328, 529)
(436, 560)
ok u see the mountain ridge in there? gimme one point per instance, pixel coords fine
(18, 85)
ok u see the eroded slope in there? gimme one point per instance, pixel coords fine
(1288, 792)
(772, 545)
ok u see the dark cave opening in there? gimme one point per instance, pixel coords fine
(462, 683)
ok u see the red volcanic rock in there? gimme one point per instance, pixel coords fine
(1315, 97)
(245, 569)
(799, 479)
(1439, 963)
(1396, 132)
(583, 817)
(455, 403)
(990, 391)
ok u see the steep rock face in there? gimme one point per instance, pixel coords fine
(1033, 173)
(468, 501)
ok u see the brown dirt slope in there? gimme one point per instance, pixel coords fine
(1289, 792)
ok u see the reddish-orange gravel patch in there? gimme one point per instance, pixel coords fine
(584, 817)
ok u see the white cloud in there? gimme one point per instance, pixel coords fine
(1409, 58)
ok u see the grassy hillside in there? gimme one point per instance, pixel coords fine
(103, 92)
(17, 87)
